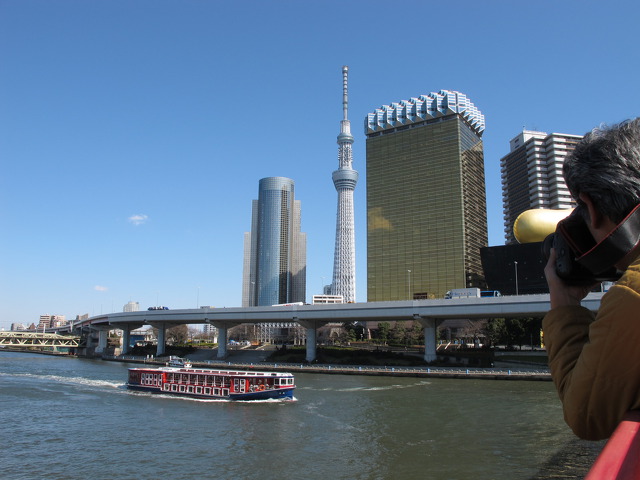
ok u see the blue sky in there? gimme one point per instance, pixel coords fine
(133, 133)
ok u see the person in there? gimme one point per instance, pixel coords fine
(595, 359)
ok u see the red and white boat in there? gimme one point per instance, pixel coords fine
(212, 384)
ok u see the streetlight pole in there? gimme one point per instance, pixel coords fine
(515, 264)
(409, 278)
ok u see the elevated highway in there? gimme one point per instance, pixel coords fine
(427, 312)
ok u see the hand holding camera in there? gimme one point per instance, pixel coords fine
(579, 259)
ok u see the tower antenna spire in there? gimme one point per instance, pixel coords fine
(345, 179)
(345, 94)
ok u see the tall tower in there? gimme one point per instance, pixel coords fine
(345, 179)
(274, 270)
(532, 175)
(426, 206)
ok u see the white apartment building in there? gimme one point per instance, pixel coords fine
(532, 175)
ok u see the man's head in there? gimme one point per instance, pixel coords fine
(605, 165)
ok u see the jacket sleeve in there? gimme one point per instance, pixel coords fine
(595, 361)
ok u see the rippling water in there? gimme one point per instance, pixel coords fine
(66, 418)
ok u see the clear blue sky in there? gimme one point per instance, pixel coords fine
(133, 133)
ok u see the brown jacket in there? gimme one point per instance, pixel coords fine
(595, 360)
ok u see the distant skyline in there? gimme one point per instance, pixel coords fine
(133, 132)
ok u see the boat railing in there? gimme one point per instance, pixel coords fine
(620, 457)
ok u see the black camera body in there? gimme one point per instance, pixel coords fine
(567, 266)
(580, 260)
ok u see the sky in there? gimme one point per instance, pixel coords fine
(133, 133)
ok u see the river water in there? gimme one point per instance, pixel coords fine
(68, 418)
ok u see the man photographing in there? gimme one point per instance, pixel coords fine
(595, 359)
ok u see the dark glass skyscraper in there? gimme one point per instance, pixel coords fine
(275, 259)
(426, 204)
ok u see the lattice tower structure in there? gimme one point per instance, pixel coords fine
(345, 179)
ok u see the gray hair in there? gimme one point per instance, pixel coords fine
(605, 165)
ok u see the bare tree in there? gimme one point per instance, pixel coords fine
(178, 335)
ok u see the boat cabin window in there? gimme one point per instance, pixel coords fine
(239, 385)
(284, 381)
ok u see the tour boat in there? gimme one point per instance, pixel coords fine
(178, 362)
(213, 384)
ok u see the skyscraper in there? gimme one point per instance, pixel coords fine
(532, 175)
(426, 205)
(274, 270)
(345, 179)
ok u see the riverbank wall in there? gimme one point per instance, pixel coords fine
(391, 371)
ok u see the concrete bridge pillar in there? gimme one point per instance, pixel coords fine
(162, 338)
(103, 340)
(311, 344)
(429, 326)
(222, 341)
(126, 339)
(311, 326)
(223, 328)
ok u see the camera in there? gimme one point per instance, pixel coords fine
(580, 260)
(567, 266)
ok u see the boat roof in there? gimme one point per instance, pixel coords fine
(207, 371)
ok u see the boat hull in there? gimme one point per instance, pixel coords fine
(280, 394)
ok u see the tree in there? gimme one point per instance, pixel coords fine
(494, 331)
(178, 335)
(398, 333)
(473, 332)
(349, 332)
(513, 331)
(532, 328)
(416, 334)
(383, 331)
(196, 335)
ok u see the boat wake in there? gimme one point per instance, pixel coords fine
(365, 388)
(59, 379)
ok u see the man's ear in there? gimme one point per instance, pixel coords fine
(595, 217)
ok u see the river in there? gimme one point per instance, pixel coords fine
(69, 418)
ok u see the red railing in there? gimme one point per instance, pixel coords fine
(620, 457)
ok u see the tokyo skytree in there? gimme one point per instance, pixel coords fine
(345, 179)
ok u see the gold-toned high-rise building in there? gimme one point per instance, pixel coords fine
(426, 203)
